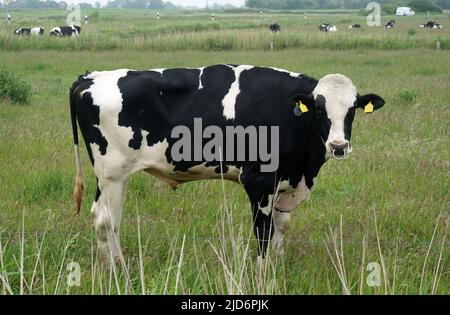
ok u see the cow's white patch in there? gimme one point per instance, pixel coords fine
(35, 30)
(332, 29)
(200, 85)
(56, 30)
(292, 74)
(340, 95)
(229, 101)
(291, 198)
(268, 208)
(159, 70)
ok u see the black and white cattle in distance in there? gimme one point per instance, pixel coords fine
(274, 28)
(66, 31)
(326, 27)
(390, 24)
(29, 31)
(431, 24)
(354, 26)
(128, 119)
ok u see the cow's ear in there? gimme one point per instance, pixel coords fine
(302, 103)
(369, 102)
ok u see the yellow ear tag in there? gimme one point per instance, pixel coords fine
(368, 108)
(303, 107)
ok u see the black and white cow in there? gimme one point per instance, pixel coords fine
(390, 24)
(29, 31)
(133, 121)
(326, 27)
(274, 28)
(66, 31)
(354, 26)
(431, 24)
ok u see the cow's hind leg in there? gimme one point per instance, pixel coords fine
(107, 212)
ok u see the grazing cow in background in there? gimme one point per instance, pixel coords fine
(133, 120)
(30, 31)
(66, 31)
(431, 24)
(274, 28)
(390, 24)
(355, 26)
(326, 27)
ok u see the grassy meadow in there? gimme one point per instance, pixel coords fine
(387, 204)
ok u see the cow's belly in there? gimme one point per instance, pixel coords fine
(198, 172)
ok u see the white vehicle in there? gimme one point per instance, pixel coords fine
(404, 11)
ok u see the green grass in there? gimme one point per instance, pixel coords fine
(396, 177)
(139, 30)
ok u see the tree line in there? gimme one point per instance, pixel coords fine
(125, 4)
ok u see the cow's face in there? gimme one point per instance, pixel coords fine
(333, 104)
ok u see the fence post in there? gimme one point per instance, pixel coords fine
(271, 42)
(438, 45)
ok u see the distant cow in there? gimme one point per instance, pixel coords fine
(274, 28)
(29, 31)
(431, 24)
(355, 26)
(326, 27)
(390, 24)
(66, 31)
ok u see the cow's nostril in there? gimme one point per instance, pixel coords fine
(339, 147)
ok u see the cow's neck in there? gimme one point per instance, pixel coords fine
(312, 157)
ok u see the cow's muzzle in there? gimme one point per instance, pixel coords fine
(339, 151)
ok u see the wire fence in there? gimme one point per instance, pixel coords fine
(205, 238)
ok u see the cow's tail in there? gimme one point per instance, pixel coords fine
(79, 182)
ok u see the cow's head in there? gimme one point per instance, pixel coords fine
(333, 104)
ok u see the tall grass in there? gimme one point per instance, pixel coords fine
(224, 40)
(235, 271)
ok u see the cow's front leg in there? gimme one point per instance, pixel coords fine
(260, 188)
(263, 228)
(287, 201)
(281, 221)
(107, 212)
